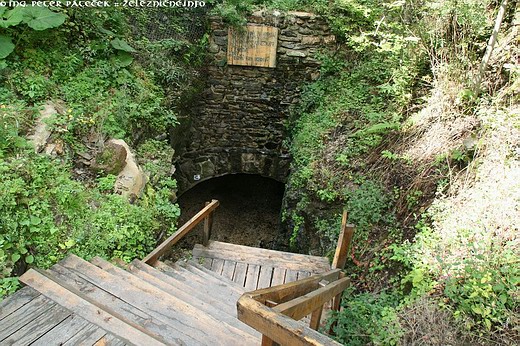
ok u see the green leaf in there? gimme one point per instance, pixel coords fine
(23, 251)
(35, 220)
(70, 243)
(477, 310)
(15, 257)
(3, 64)
(123, 59)
(12, 17)
(488, 324)
(2, 10)
(6, 46)
(122, 45)
(41, 18)
(29, 259)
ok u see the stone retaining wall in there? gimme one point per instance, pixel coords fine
(238, 124)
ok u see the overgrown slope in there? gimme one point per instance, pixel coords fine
(396, 133)
(110, 76)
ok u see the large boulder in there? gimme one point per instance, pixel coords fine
(132, 180)
(41, 131)
(112, 159)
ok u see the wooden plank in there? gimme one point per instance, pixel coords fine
(135, 317)
(229, 269)
(240, 274)
(278, 327)
(38, 326)
(63, 331)
(284, 261)
(303, 275)
(252, 45)
(159, 304)
(109, 340)
(24, 315)
(205, 302)
(217, 265)
(208, 226)
(16, 301)
(267, 253)
(304, 305)
(278, 276)
(206, 262)
(174, 238)
(74, 301)
(253, 271)
(199, 270)
(290, 276)
(266, 275)
(208, 305)
(294, 289)
(199, 293)
(204, 282)
(316, 318)
(344, 240)
(86, 336)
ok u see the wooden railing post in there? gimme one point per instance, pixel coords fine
(268, 342)
(208, 226)
(316, 318)
(340, 257)
(344, 240)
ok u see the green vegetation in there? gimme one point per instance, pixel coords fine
(392, 131)
(104, 85)
(370, 136)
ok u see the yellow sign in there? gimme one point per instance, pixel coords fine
(252, 45)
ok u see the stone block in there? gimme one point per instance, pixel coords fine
(296, 53)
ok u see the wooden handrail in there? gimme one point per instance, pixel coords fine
(284, 293)
(300, 307)
(292, 301)
(204, 214)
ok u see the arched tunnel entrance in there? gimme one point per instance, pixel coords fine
(249, 211)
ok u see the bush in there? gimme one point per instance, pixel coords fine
(46, 215)
(367, 318)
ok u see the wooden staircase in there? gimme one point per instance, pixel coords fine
(190, 302)
(137, 306)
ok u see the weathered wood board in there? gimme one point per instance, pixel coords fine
(252, 45)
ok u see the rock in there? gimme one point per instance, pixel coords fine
(112, 159)
(41, 132)
(311, 40)
(295, 53)
(131, 181)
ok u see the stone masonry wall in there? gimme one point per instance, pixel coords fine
(238, 124)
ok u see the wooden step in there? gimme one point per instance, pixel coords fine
(263, 257)
(186, 287)
(23, 297)
(123, 310)
(194, 267)
(207, 304)
(205, 282)
(213, 244)
(76, 302)
(205, 328)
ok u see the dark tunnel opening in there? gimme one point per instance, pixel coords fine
(249, 211)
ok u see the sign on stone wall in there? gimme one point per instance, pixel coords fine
(253, 45)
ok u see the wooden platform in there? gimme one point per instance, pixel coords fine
(255, 268)
(189, 303)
